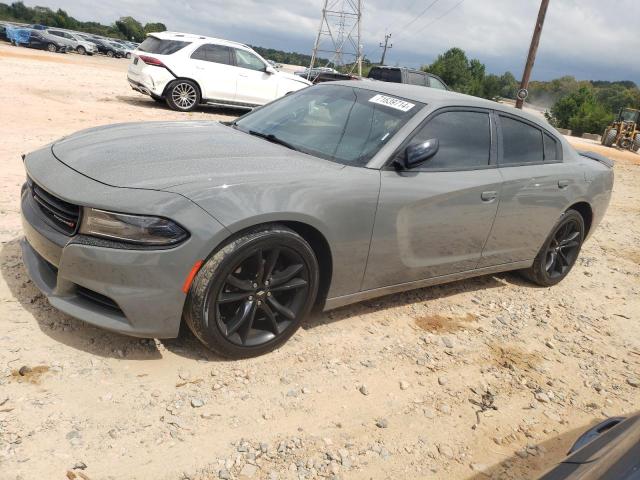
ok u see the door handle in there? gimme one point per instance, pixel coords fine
(563, 183)
(489, 196)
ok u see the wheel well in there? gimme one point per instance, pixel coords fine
(584, 209)
(322, 250)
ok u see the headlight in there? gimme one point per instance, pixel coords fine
(138, 229)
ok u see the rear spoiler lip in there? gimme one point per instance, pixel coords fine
(598, 158)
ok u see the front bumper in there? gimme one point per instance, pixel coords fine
(134, 291)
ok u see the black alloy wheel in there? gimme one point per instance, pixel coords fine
(253, 294)
(563, 249)
(261, 297)
(559, 252)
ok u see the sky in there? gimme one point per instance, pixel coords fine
(583, 38)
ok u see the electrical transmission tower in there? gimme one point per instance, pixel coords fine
(339, 34)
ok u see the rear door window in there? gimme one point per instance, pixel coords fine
(464, 138)
(521, 142)
(213, 53)
(416, 78)
(161, 47)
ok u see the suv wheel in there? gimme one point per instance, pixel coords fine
(183, 95)
(109, 53)
(252, 295)
(51, 47)
(81, 50)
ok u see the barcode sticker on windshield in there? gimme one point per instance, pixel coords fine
(392, 102)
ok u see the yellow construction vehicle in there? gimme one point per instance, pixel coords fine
(625, 131)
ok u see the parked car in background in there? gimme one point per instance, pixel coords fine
(188, 70)
(103, 46)
(126, 47)
(74, 42)
(321, 75)
(44, 41)
(3, 33)
(240, 229)
(406, 75)
(607, 451)
(121, 50)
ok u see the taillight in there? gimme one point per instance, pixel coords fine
(151, 61)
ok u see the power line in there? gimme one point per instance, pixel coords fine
(445, 13)
(419, 15)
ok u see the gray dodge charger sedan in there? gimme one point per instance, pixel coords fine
(332, 195)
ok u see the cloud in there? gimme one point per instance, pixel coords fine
(584, 38)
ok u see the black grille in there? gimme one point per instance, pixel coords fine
(62, 215)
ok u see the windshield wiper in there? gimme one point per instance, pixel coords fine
(273, 139)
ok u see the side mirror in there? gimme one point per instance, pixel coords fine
(420, 152)
(269, 69)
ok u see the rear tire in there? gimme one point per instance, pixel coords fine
(109, 53)
(128, 55)
(183, 95)
(81, 50)
(610, 138)
(636, 143)
(559, 252)
(252, 295)
(52, 48)
(625, 144)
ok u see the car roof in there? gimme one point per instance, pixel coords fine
(195, 38)
(440, 98)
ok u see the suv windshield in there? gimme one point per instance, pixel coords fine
(161, 47)
(338, 123)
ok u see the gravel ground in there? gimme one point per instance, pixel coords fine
(484, 378)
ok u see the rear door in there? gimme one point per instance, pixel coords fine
(434, 220)
(255, 85)
(537, 187)
(212, 67)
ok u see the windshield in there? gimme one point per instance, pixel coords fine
(630, 116)
(338, 123)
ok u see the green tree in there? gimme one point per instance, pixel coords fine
(154, 27)
(581, 112)
(453, 67)
(130, 28)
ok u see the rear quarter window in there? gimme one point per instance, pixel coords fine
(161, 47)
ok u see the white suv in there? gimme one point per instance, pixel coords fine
(187, 70)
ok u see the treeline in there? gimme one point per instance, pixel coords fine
(291, 58)
(582, 106)
(126, 28)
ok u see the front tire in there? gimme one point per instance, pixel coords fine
(636, 143)
(610, 138)
(81, 50)
(109, 53)
(559, 252)
(52, 48)
(183, 95)
(252, 295)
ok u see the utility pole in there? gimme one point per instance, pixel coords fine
(533, 50)
(385, 47)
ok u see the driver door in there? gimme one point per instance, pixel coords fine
(435, 218)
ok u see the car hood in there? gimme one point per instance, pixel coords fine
(295, 78)
(160, 155)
